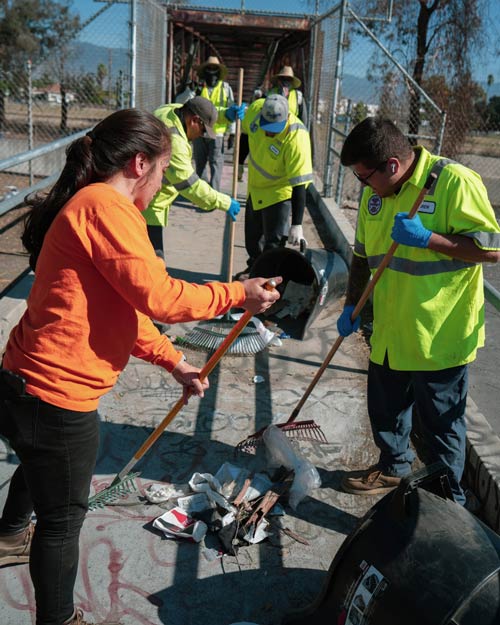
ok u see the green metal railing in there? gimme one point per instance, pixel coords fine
(492, 295)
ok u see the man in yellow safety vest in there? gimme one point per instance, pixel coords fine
(279, 172)
(210, 150)
(287, 84)
(428, 305)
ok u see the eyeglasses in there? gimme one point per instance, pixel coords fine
(364, 179)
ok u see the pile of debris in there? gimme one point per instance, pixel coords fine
(235, 505)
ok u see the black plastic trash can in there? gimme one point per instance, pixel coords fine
(325, 272)
(416, 558)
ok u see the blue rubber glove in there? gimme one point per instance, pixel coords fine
(344, 324)
(235, 110)
(234, 209)
(410, 232)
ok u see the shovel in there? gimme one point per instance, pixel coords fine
(309, 430)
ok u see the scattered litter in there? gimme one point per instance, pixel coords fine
(281, 453)
(206, 483)
(195, 503)
(235, 505)
(257, 379)
(177, 524)
(158, 493)
(284, 335)
(258, 533)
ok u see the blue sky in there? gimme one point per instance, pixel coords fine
(488, 61)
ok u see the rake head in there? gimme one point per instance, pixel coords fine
(300, 430)
(113, 492)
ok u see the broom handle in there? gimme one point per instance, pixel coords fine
(362, 300)
(205, 372)
(236, 156)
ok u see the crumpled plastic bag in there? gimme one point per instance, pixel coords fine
(206, 483)
(281, 453)
(158, 493)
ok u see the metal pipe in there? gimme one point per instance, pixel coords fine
(30, 117)
(17, 159)
(492, 295)
(170, 61)
(164, 56)
(336, 94)
(310, 78)
(133, 52)
(17, 200)
(439, 144)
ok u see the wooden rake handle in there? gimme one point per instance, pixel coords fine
(362, 300)
(204, 373)
(236, 155)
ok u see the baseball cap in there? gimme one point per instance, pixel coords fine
(206, 111)
(274, 113)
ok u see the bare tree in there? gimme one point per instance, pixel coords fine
(438, 37)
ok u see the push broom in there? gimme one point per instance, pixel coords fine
(208, 335)
(310, 430)
(123, 482)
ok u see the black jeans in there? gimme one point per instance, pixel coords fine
(57, 449)
(265, 228)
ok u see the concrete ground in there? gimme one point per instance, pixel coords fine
(128, 571)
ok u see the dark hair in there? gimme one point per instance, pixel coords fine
(373, 141)
(101, 153)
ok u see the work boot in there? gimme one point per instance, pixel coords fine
(77, 619)
(371, 481)
(15, 548)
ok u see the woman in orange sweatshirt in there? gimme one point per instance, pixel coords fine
(94, 263)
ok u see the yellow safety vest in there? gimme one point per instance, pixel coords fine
(428, 308)
(180, 177)
(276, 164)
(219, 98)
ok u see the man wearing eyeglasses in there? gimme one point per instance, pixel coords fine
(428, 305)
(195, 118)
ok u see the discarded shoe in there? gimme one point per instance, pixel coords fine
(78, 619)
(369, 481)
(15, 549)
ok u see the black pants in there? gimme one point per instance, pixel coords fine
(155, 234)
(57, 449)
(265, 228)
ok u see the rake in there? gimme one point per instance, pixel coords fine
(123, 483)
(309, 430)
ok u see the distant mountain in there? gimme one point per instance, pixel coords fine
(358, 89)
(86, 57)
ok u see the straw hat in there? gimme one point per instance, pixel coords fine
(287, 72)
(212, 61)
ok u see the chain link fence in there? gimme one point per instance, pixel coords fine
(355, 74)
(112, 60)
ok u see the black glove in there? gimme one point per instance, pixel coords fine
(230, 142)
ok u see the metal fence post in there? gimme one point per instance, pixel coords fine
(133, 51)
(333, 113)
(30, 117)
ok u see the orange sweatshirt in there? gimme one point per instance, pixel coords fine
(97, 283)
